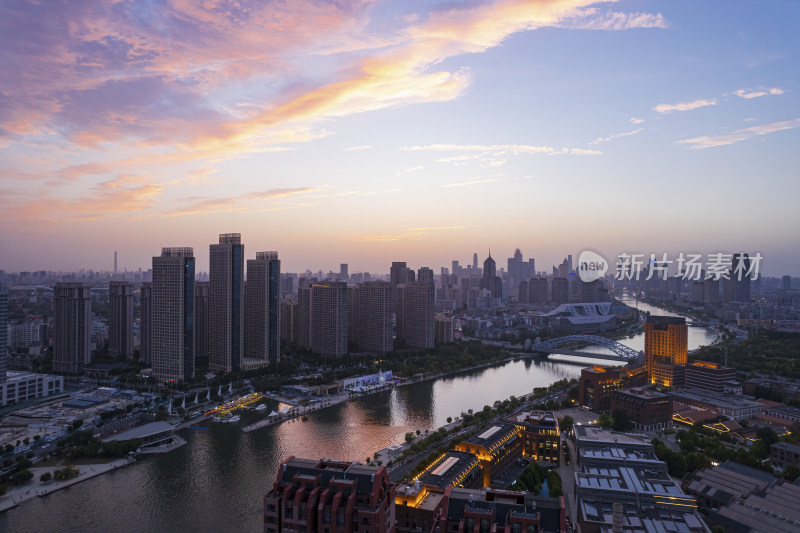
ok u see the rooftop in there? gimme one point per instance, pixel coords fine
(141, 432)
(491, 435)
(449, 470)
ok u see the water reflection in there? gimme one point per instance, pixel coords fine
(216, 482)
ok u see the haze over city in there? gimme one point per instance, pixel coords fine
(370, 132)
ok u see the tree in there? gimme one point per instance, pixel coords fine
(76, 424)
(566, 423)
(47, 476)
(23, 476)
(768, 435)
(409, 437)
(620, 420)
(605, 420)
(791, 473)
(449, 419)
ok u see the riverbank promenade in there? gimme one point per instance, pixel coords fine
(35, 488)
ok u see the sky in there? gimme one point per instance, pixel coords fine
(369, 132)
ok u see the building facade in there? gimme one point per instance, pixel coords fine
(329, 497)
(262, 310)
(539, 434)
(146, 323)
(647, 410)
(598, 383)
(416, 312)
(496, 448)
(371, 320)
(3, 334)
(226, 303)
(708, 376)
(173, 318)
(201, 324)
(665, 350)
(71, 344)
(329, 312)
(120, 319)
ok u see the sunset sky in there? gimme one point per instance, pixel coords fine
(418, 131)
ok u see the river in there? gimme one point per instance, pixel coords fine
(217, 481)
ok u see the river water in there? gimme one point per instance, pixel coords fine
(217, 481)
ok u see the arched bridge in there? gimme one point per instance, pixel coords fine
(622, 352)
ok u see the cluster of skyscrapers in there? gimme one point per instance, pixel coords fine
(331, 318)
(226, 323)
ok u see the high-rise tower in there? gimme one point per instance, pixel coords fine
(73, 307)
(226, 303)
(3, 334)
(262, 309)
(172, 343)
(665, 350)
(329, 314)
(120, 319)
(372, 317)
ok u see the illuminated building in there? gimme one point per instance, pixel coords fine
(418, 503)
(598, 383)
(329, 497)
(539, 434)
(226, 303)
(501, 511)
(617, 468)
(665, 350)
(497, 448)
(71, 351)
(172, 343)
(708, 376)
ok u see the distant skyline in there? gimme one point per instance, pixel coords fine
(372, 132)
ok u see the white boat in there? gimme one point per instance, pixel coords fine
(234, 418)
(261, 407)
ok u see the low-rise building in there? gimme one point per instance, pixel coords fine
(497, 447)
(708, 376)
(501, 511)
(329, 497)
(784, 454)
(786, 412)
(740, 498)
(598, 383)
(622, 469)
(418, 503)
(647, 410)
(539, 433)
(25, 386)
(735, 407)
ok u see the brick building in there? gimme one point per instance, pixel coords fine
(500, 511)
(648, 410)
(497, 448)
(597, 384)
(539, 433)
(312, 496)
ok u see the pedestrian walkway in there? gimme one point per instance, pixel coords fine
(33, 488)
